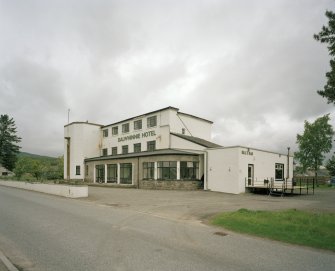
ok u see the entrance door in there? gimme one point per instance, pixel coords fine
(250, 174)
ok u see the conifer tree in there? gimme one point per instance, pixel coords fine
(327, 35)
(8, 142)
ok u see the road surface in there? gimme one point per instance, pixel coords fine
(44, 232)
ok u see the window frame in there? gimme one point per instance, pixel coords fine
(114, 151)
(112, 178)
(125, 128)
(164, 169)
(152, 121)
(105, 133)
(115, 130)
(279, 167)
(100, 173)
(188, 172)
(137, 145)
(148, 170)
(77, 170)
(129, 177)
(104, 152)
(150, 144)
(125, 147)
(137, 124)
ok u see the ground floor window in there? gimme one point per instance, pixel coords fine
(148, 170)
(189, 170)
(99, 173)
(167, 170)
(126, 173)
(279, 172)
(77, 170)
(112, 173)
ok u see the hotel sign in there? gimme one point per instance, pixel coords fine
(136, 136)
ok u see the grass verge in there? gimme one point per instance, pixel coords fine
(292, 226)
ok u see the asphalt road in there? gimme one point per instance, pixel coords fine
(43, 232)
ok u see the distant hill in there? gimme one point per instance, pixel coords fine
(36, 156)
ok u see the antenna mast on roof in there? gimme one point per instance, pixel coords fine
(68, 116)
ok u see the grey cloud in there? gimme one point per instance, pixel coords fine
(250, 66)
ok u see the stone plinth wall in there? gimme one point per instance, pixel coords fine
(170, 185)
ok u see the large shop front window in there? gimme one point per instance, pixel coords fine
(167, 170)
(126, 173)
(189, 170)
(99, 173)
(148, 170)
(112, 173)
(279, 172)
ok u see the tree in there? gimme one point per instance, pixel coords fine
(327, 35)
(8, 140)
(314, 143)
(330, 166)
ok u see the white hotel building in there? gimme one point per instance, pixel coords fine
(165, 149)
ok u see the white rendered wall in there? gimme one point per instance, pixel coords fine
(84, 143)
(223, 171)
(228, 167)
(193, 126)
(157, 133)
(264, 165)
(168, 120)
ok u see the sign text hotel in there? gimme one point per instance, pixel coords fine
(136, 136)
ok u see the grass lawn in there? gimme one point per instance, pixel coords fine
(292, 226)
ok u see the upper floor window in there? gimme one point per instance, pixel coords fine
(115, 130)
(137, 124)
(105, 133)
(125, 149)
(151, 145)
(137, 147)
(152, 121)
(104, 152)
(114, 150)
(125, 128)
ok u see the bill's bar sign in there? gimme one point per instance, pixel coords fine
(136, 136)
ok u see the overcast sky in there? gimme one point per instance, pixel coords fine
(252, 67)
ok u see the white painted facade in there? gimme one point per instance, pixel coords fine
(228, 168)
(81, 140)
(165, 135)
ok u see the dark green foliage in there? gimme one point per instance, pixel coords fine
(8, 142)
(38, 167)
(314, 143)
(327, 35)
(330, 166)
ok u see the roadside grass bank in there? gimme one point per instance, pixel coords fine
(313, 229)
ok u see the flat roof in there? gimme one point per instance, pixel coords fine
(141, 154)
(143, 115)
(82, 122)
(238, 146)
